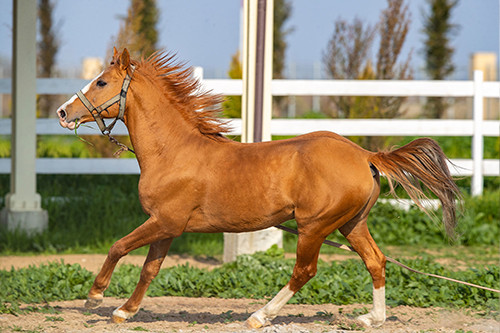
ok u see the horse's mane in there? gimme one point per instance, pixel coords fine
(198, 107)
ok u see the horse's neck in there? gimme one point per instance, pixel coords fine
(157, 130)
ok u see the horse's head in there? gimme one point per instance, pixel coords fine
(99, 99)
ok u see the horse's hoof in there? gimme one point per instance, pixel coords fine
(255, 322)
(119, 316)
(117, 319)
(370, 320)
(93, 303)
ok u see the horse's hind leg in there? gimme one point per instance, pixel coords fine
(356, 232)
(156, 255)
(305, 268)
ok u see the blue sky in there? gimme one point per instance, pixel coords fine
(206, 33)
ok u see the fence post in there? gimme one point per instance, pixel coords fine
(23, 209)
(256, 105)
(477, 136)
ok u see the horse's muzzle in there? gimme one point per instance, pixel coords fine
(63, 119)
(61, 114)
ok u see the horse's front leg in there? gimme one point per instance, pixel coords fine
(156, 255)
(149, 232)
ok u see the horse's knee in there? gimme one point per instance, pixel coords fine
(116, 251)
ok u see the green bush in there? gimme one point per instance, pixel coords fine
(4, 147)
(86, 213)
(54, 146)
(57, 147)
(477, 224)
(260, 275)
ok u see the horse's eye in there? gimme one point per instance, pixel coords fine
(101, 83)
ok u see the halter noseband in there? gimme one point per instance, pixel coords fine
(119, 98)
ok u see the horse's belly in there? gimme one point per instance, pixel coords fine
(250, 216)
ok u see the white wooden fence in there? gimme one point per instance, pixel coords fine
(477, 127)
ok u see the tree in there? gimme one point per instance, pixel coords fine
(232, 104)
(437, 49)
(348, 56)
(138, 31)
(282, 12)
(393, 28)
(48, 46)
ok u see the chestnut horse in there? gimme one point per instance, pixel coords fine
(193, 179)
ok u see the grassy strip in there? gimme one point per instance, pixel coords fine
(259, 276)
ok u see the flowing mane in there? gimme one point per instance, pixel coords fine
(198, 107)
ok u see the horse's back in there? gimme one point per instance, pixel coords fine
(273, 181)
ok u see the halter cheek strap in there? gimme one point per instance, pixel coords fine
(120, 98)
(96, 111)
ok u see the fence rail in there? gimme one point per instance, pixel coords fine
(477, 127)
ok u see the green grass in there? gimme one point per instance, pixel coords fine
(260, 276)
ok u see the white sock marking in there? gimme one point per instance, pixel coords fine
(376, 316)
(271, 309)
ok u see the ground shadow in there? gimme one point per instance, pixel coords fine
(148, 316)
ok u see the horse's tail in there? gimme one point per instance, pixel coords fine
(423, 161)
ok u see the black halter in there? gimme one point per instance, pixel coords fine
(96, 111)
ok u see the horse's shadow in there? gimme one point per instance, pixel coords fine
(148, 316)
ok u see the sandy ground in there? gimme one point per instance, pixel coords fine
(182, 314)
(93, 262)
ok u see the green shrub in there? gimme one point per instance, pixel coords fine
(4, 147)
(260, 275)
(479, 223)
(59, 147)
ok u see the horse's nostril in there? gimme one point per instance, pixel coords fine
(62, 114)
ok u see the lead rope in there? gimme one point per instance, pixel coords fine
(348, 248)
(122, 146)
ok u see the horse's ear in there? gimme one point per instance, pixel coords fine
(124, 59)
(114, 60)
